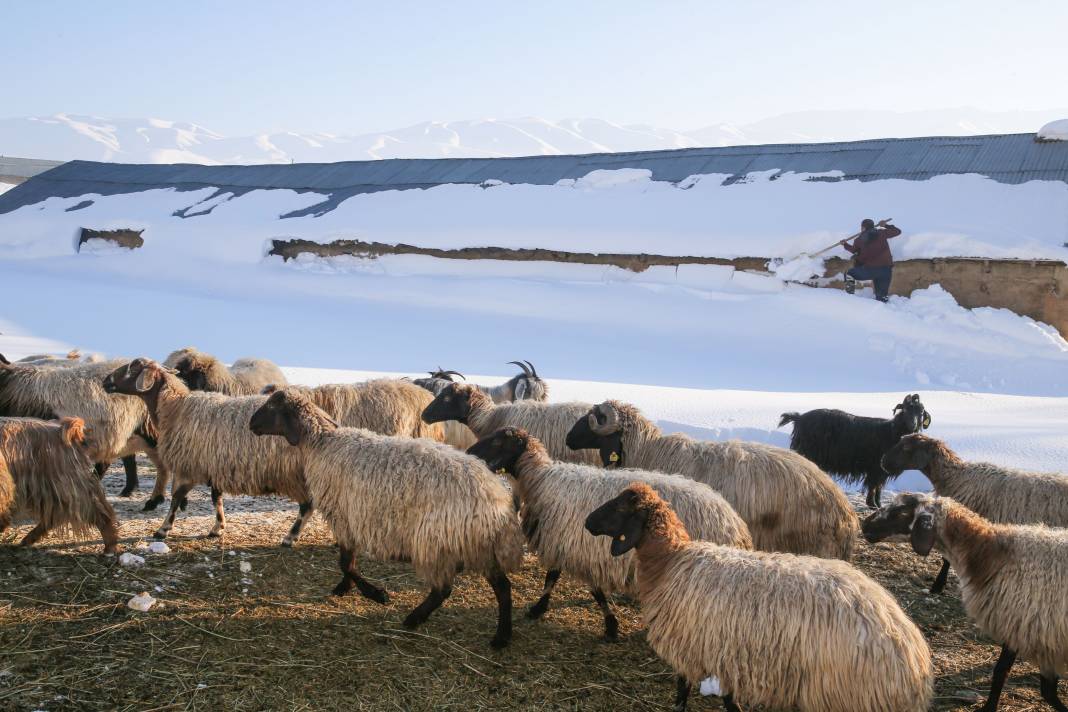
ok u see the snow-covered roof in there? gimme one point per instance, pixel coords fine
(1006, 158)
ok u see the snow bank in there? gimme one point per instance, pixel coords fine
(1054, 131)
(766, 214)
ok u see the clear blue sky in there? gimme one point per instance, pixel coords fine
(349, 67)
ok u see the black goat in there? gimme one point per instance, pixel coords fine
(850, 447)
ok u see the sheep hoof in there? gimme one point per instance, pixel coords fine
(213, 534)
(498, 642)
(127, 491)
(378, 596)
(152, 503)
(537, 610)
(287, 543)
(160, 535)
(414, 620)
(341, 589)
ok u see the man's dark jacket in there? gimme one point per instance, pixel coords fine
(872, 249)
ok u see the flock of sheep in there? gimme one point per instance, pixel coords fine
(738, 552)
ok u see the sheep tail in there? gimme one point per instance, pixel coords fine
(789, 418)
(72, 431)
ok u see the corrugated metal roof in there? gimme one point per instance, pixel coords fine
(1010, 158)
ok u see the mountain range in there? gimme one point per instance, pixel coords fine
(146, 140)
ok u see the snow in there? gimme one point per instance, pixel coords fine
(4, 187)
(141, 602)
(710, 686)
(621, 211)
(159, 547)
(798, 269)
(131, 561)
(1054, 131)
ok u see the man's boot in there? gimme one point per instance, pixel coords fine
(850, 285)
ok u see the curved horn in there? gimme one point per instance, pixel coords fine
(532, 371)
(447, 374)
(611, 420)
(526, 371)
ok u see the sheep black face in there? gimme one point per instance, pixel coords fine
(193, 376)
(601, 429)
(912, 452)
(910, 416)
(621, 519)
(135, 378)
(502, 449)
(908, 516)
(437, 380)
(453, 403)
(277, 416)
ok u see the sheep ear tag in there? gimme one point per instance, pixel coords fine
(502, 470)
(614, 457)
(926, 420)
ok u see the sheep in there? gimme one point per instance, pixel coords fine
(203, 372)
(1013, 580)
(204, 439)
(548, 422)
(788, 503)
(849, 446)
(556, 497)
(387, 406)
(45, 472)
(1001, 494)
(402, 498)
(525, 386)
(777, 631)
(119, 424)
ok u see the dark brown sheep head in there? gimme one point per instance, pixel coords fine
(602, 429)
(290, 414)
(635, 515)
(140, 376)
(911, 452)
(908, 516)
(502, 449)
(453, 403)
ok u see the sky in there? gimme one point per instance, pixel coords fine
(240, 67)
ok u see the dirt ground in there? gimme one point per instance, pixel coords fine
(274, 639)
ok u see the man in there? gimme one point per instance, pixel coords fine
(872, 257)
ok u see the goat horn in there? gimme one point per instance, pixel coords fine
(446, 374)
(611, 420)
(526, 371)
(532, 371)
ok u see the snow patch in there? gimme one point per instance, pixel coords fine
(1054, 131)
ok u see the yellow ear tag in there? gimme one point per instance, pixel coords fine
(502, 471)
(614, 457)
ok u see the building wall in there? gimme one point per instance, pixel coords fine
(1035, 288)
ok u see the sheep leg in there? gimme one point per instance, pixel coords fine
(730, 705)
(129, 464)
(176, 500)
(306, 509)
(109, 532)
(682, 694)
(875, 494)
(940, 580)
(1048, 687)
(35, 535)
(538, 609)
(101, 468)
(502, 589)
(350, 576)
(431, 603)
(220, 513)
(1001, 671)
(159, 489)
(5, 521)
(611, 625)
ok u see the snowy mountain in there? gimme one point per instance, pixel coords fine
(69, 136)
